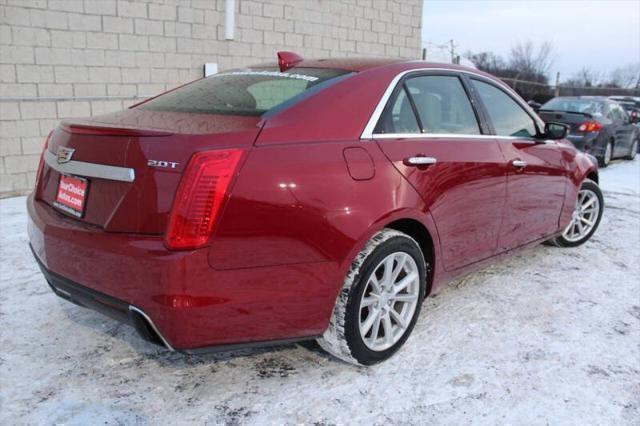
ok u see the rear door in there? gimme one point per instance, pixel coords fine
(431, 133)
(537, 175)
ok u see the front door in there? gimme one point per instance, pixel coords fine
(537, 176)
(430, 132)
(623, 130)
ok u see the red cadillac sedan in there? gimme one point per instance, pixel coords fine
(301, 200)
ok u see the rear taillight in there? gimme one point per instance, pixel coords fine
(41, 163)
(590, 126)
(199, 198)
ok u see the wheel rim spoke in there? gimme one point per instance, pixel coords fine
(388, 329)
(375, 284)
(405, 298)
(376, 329)
(584, 206)
(399, 268)
(368, 301)
(366, 326)
(401, 285)
(398, 319)
(586, 221)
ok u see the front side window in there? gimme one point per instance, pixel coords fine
(508, 118)
(242, 92)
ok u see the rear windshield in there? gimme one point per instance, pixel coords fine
(589, 106)
(243, 92)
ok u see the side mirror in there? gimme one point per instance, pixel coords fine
(555, 131)
(534, 105)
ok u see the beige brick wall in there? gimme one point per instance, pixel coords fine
(70, 58)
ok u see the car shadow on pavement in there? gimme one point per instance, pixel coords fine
(108, 330)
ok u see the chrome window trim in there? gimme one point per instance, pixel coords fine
(446, 135)
(367, 133)
(81, 168)
(430, 136)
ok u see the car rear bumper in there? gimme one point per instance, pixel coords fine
(588, 144)
(105, 304)
(174, 297)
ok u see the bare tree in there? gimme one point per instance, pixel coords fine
(627, 77)
(486, 61)
(586, 77)
(529, 61)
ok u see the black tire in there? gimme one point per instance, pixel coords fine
(634, 150)
(604, 161)
(561, 240)
(342, 339)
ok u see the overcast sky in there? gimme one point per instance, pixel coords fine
(601, 35)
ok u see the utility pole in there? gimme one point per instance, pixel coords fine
(424, 53)
(557, 88)
(452, 50)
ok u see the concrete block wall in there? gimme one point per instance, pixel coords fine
(71, 58)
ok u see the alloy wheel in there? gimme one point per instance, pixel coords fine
(585, 216)
(389, 301)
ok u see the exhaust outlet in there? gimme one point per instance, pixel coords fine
(147, 329)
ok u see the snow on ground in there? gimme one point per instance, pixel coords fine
(549, 336)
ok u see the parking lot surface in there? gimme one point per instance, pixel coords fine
(549, 336)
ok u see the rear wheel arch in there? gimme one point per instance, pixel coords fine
(419, 232)
(408, 221)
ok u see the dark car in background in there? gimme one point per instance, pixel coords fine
(631, 105)
(627, 100)
(598, 125)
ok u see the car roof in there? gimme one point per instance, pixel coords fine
(364, 63)
(586, 98)
(625, 98)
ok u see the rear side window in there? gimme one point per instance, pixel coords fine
(244, 92)
(441, 103)
(399, 116)
(508, 118)
(618, 113)
(589, 106)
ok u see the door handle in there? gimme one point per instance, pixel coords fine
(519, 164)
(420, 161)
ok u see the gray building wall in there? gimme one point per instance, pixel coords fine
(71, 58)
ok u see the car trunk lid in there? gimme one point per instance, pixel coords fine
(133, 161)
(572, 119)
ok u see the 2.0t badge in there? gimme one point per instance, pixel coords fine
(165, 164)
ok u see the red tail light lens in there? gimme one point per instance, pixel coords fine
(590, 126)
(199, 198)
(41, 163)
